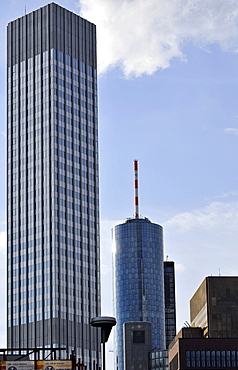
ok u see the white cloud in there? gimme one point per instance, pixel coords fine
(3, 242)
(106, 239)
(142, 36)
(231, 131)
(202, 242)
(227, 194)
(215, 215)
(179, 267)
(105, 269)
(106, 265)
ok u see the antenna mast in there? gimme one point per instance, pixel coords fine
(136, 189)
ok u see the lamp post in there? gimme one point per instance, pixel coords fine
(105, 323)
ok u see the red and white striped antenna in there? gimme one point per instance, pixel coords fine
(136, 189)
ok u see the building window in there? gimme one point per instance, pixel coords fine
(138, 336)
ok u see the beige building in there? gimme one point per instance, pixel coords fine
(214, 307)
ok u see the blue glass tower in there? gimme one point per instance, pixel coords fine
(138, 279)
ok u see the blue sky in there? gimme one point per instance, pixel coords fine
(167, 97)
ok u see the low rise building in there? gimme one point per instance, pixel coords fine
(195, 353)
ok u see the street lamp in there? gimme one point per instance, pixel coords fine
(105, 323)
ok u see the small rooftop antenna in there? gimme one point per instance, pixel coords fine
(186, 324)
(25, 9)
(136, 188)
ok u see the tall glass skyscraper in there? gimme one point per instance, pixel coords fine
(138, 279)
(52, 183)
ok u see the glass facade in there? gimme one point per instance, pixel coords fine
(158, 360)
(138, 280)
(169, 299)
(52, 183)
(212, 359)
